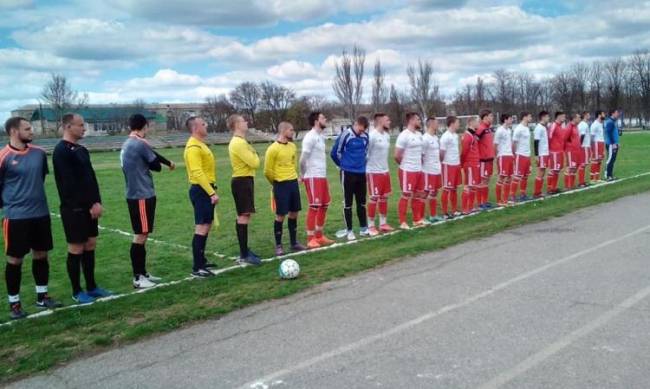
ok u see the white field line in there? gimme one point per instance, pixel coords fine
(330, 247)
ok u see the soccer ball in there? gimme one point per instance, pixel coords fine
(289, 269)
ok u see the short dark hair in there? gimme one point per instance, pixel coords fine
(189, 122)
(313, 116)
(431, 119)
(504, 117)
(410, 115)
(363, 121)
(484, 113)
(14, 123)
(523, 115)
(584, 114)
(451, 120)
(612, 111)
(67, 118)
(378, 115)
(598, 112)
(558, 113)
(542, 114)
(137, 122)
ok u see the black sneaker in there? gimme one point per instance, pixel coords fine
(48, 303)
(16, 311)
(202, 273)
(250, 260)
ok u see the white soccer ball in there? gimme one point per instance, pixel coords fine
(289, 269)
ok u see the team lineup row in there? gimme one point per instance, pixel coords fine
(427, 164)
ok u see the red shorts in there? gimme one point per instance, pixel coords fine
(411, 182)
(505, 163)
(378, 184)
(450, 175)
(598, 151)
(573, 159)
(487, 169)
(522, 166)
(543, 161)
(432, 182)
(318, 191)
(471, 175)
(557, 161)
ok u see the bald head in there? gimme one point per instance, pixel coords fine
(285, 132)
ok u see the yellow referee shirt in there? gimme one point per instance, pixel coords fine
(280, 162)
(243, 157)
(199, 162)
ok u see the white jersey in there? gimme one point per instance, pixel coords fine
(449, 144)
(313, 149)
(411, 143)
(431, 154)
(521, 135)
(503, 140)
(583, 129)
(378, 146)
(596, 131)
(541, 135)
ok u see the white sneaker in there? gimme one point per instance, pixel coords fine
(404, 226)
(364, 231)
(153, 278)
(351, 236)
(142, 283)
(340, 234)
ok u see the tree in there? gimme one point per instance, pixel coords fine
(596, 84)
(615, 76)
(215, 111)
(246, 98)
(276, 100)
(379, 92)
(563, 91)
(424, 90)
(580, 79)
(640, 67)
(60, 96)
(348, 82)
(396, 107)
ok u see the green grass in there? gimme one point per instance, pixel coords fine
(34, 345)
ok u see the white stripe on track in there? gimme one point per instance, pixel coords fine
(306, 252)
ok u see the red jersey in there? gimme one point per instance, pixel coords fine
(470, 154)
(485, 136)
(557, 138)
(573, 143)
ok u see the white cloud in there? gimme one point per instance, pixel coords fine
(292, 70)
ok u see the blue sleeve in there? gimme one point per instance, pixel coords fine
(334, 154)
(609, 130)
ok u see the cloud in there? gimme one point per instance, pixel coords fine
(292, 70)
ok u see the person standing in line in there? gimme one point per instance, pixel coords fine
(521, 146)
(431, 168)
(505, 159)
(450, 160)
(585, 154)
(378, 174)
(611, 142)
(485, 135)
(470, 161)
(408, 155)
(540, 136)
(81, 207)
(597, 145)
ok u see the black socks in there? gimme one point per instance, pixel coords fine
(41, 273)
(293, 230)
(88, 266)
(277, 232)
(73, 264)
(138, 259)
(198, 251)
(13, 274)
(242, 237)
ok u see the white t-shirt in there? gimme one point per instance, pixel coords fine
(583, 129)
(449, 144)
(503, 140)
(430, 154)
(313, 148)
(596, 131)
(411, 143)
(541, 135)
(378, 147)
(521, 135)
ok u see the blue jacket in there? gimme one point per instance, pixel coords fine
(611, 131)
(350, 151)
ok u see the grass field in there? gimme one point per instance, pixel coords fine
(38, 344)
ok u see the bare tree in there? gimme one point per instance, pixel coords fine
(596, 80)
(424, 89)
(640, 66)
(379, 91)
(348, 82)
(504, 90)
(615, 76)
(246, 98)
(563, 91)
(276, 99)
(397, 103)
(60, 96)
(216, 110)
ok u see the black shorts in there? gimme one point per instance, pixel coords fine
(286, 195)
(243, 191)
(23, 235)
(78, 225)
(142, 212)
(203, 207)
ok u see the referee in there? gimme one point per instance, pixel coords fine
(26, 225)
(138, 159)
(80, 207)
(280, 170)
(244, 161)
(201, 173)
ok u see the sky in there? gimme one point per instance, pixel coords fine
(184, 51)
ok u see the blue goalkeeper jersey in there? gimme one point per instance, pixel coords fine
(350, 151)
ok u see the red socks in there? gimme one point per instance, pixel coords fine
(383, 206)
(372, 209)
(433, 206)
(402, 206)
(539, 183)
(311, 221)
